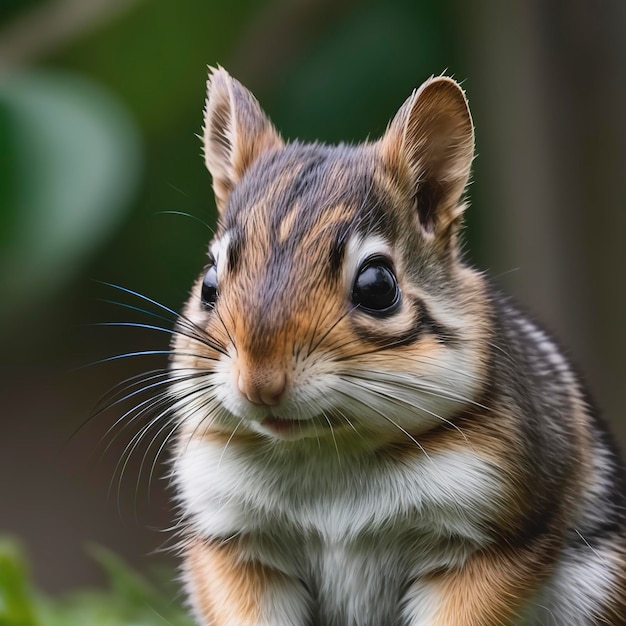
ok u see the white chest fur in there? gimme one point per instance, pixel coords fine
(356, 529)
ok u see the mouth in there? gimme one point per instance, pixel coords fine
(283, 427)
(290, 429)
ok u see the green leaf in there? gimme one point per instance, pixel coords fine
(16, 608)
(75, 157)
(130, 600)
(130, 588)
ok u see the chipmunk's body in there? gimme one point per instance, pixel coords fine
(369, 434)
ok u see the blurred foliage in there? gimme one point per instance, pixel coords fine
(10, 8)
(73, 156)
(156, 56)
(349, 85)
(129, 600)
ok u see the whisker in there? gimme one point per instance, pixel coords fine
(129, 383)
(171, 423)
(380, 349)
(414, 384)
(111, 394)
(164, 443)
(330, 329)
(180, 329)
(344, 417)
(179, 317)
(313, 327)
(193, 332)
(217, 411)
(332, 434)
(126, 355)
(168, 380)
(170, 405)
(169, 331)
(219, 463)
(230, 337)
(425, 360)
(183, 214)
(174, 423)
(142, 297)
(405, 402)
(135, 413)
(138, 309)
(385, 417)
(233, 319)
(124, 459)
(500, 349)
(153, 401)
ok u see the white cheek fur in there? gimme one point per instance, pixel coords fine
(416, 401)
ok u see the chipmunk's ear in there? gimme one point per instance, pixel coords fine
(236, 132)
(429, 146)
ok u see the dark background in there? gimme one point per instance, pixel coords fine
(100, 101)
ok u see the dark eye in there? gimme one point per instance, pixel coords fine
(209, 287)
(375, 288)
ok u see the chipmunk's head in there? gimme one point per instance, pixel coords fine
(333, 299)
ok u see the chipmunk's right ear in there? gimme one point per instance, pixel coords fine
(429, 145)
(236, 132)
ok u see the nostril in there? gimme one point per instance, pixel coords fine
(263, 389)
(272, 391)
(248, 390)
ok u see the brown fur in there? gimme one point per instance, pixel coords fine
(490, 589)
(225, 590)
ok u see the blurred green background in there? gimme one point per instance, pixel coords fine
(100, 101)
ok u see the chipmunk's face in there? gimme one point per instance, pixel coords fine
(332, 303)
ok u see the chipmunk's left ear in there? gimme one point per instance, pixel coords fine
(429, 146)
(236, 132)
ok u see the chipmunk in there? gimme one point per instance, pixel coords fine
(369, 433)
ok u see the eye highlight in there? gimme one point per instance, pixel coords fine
(209, 287)
(375, 290)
